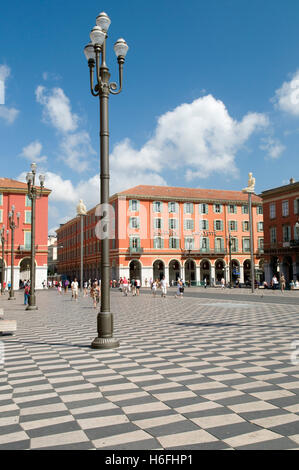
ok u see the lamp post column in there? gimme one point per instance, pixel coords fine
(32, 298)
(105, 338)
(3, 240)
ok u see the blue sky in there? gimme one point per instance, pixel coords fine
(211, 92)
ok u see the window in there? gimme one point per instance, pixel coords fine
(234, 244)
(219, 245)
(296, 233)
(158, 243)
(173, 207)
(134, 205)
(245, 209)
(157, 206)
(232, 209)
(188, 207)
(245, 224)
(260, 226)
(233, 226)
(218, 225)
(285, 208)
(217, 208)
(273, 237)
(173, 242)
(188, 224)
(189, 243)
(286, 233)
(203, 225)
(261, 244)
(27, 201)
(27, 240)
(134, 222)
(259, 210)
(203, 208)
(296, 206)
(246, 245)
(173, 224)
(272, 211)
(204, 244)
(134, 242)
(27, 217)
(157, 224)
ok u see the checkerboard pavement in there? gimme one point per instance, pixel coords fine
(192, 373)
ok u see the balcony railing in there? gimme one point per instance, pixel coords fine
(135, 250)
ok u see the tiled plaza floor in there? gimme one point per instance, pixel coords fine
(192, 373)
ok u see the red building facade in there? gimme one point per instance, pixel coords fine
(14, 193)
(281, 214)
(172, 232)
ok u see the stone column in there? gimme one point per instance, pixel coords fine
(241, 273)
(198, 275)
(167, 275)
(213, 279)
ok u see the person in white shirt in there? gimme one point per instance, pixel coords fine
(138, 284)
(75, 289)
(163, 287)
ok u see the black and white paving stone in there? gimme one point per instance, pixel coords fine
(191, 373)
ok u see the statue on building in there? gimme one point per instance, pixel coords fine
(81, 208)
(251, 184)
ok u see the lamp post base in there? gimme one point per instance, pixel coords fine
(31, 307)
(11, 298)
(105, 339)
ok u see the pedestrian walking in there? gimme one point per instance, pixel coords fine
(154, 287)
(133, 287)
(145, 282)
(59, 287)
(75, 289)
(95, 294)
(85, 286)
(222, 283)
(125, 286)
(282, 283)
(26, 294)
(163, 287)
(205, 282)
(138, 284)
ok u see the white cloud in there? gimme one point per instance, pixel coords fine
(33, 152)
(8, 114)
(4, 72)
(76, 149)
(287, 96)
(197, 139)
(273, 147)
(57, 109)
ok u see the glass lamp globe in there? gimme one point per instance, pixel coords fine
(89, 51)
(103, 21)
(97, 36)
(121, 48)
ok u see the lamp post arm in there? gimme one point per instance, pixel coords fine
(91, 71)
(113, 86)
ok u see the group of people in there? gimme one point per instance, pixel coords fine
(128, 286)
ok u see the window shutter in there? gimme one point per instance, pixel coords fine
(130, 205)
(138, 222)
(296, 206)
(221, 225)
(235, 209)
(162, 243)
(185, 224)
(222, 244)
(169, 207)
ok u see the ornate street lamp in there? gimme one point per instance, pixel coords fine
(94, 52)
(33, 194)
(3, 241)
(12, 225)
